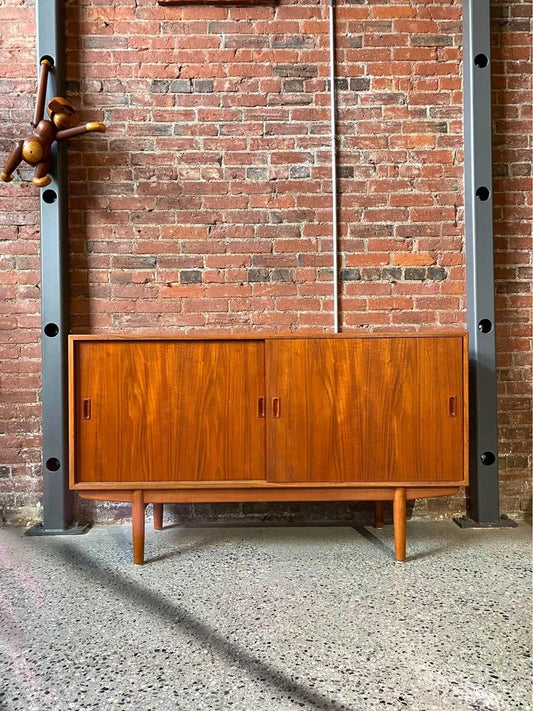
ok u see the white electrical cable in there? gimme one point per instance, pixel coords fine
(334, 218)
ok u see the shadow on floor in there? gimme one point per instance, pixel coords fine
(374, 540)
(389, 553)
(177, 616)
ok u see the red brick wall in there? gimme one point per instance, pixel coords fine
(512, 114)
(207, 205)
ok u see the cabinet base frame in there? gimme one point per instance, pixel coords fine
(140, 498)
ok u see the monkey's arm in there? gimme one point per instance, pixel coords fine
(12, 162)
(79, 130)
(46, 65)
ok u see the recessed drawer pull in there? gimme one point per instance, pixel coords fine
(261, 407)
(276, 407)
(87, 409)
(452, 405)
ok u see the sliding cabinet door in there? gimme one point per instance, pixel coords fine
(368, 410)
(314, 429)
(169, 411)
(412, 393)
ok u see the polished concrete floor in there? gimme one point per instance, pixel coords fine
(267, 619)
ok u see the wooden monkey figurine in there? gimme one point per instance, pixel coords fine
(37, 148)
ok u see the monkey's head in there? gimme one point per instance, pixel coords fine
(62, 114)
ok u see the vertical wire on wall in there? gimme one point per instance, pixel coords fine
(334, 199)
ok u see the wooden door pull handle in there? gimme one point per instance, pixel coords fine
(261, 407)
(452, 407)
(276, 407)
(87, 409)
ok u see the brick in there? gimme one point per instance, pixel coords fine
(180, 86)
(202, 86)
(258, 275)
(159, 86)
(415, 273)
(299, 70)
(436, 273)
(359, 84)
(257, 174)
(193, 276)
(427, 40)
(299, 171)
(413, 259)
(282, 275)
(293, 85)
(293, 41)
(350, 274)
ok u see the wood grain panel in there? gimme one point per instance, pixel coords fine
(278, 493)
(121, 336)
(169, 411)
(407, 427)
(317, 436)
(441, 439)
(366, 410)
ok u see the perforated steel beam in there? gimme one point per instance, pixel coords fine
(483, 494)
(57, 500)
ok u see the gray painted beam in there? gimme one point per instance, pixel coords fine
(57, 501)
(483, 493)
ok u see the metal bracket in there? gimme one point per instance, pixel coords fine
(75, 530)
(503, 522)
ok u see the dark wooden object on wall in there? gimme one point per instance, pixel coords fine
(36, 149)
(317, 418)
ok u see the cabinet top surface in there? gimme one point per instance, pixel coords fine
(262, 336)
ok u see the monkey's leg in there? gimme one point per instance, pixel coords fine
(41, 178)
(12, 162)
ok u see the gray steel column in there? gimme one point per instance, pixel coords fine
(483, 493)
(57, 500)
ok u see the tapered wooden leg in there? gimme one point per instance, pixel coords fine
(137, 526)
(378, 514)
(400, 523)
(158, 516)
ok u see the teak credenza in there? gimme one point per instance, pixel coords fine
(164, 419)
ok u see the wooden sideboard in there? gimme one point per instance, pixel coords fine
(163, 419)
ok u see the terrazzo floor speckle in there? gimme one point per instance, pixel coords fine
(267, 619)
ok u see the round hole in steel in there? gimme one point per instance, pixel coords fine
(483, 193)
(53, 464)
(49, 197)
(485, 325)
(481, 60)
(488, 458)
(51, 330)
